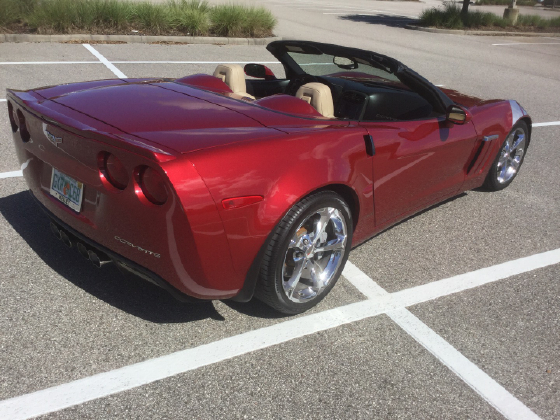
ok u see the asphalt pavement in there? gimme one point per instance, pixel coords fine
(487, 347)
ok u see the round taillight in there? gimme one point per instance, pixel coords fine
(152, 185)
(25, 136)
(113, 171)
(11, 116)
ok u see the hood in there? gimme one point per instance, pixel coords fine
(174, 119)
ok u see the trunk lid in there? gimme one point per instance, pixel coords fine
(176, 119)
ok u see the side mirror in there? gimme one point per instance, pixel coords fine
(345, 63)
(458, 115)
(259, 71)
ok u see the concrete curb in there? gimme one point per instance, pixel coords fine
(136, 39)
(489, 33)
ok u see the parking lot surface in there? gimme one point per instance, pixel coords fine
(413, 330)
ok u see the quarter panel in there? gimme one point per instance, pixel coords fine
(283, 171)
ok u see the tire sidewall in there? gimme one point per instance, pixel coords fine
(316, 202)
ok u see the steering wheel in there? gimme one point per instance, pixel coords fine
(297, 82)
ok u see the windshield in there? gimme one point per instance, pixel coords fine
(345, 67)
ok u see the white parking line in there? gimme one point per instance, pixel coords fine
(18, 63)
(530, 43)
(495, 394)
(546, 124)
(107, 63)
(379, 13)
(12, 174)
(379, 302)
(7, 63)
(193, 62)
(3, 100)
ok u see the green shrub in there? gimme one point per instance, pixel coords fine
(450, 17)
(227, 19)
(259, 22)
(192, 21)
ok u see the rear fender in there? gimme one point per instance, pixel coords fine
(283, 171)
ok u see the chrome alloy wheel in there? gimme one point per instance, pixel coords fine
(314, 254)
(511, 156)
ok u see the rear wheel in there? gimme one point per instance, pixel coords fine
(509, 159)
(306, 253)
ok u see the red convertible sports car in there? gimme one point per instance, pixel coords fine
(218, 187)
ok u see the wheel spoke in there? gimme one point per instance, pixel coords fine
(336, 244)
(503, 173)
(515, 164)
(292, 283)
(321, 224)
(520, 139)
(509, 141)
(317, 277)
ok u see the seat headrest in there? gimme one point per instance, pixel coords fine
(233, 76)
(319, 96)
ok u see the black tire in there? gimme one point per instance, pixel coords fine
(492, 181)
(270, 286)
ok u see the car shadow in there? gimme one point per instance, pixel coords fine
(381, 19)
(123, 291)
(449, 200)
(255, 308)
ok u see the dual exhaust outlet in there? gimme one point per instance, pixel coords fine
(97, 258)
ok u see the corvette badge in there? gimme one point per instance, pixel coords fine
(52, 138)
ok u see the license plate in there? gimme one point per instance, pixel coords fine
(67, 190)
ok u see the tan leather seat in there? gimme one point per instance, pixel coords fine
(233, 76)
(319, 97)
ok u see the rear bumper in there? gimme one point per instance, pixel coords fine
(106, 254)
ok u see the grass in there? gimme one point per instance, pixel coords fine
(176, 17)
(450, 17)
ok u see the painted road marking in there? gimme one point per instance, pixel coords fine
(495, 394)
(379, 13)
(379, 302)
(12, 174)
(193, 62)
(107, 63)
(18, 63)
(3, 100)
(132, 62)
(530, 43)
(546, 124)
(491, 391)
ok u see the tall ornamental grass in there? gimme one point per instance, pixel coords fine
(450, 17)
(181, 17)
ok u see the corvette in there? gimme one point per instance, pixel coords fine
(221, 186)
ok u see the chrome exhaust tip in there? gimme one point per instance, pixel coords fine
(64, 238)
(96, 260)
(56, 231)
(82, 250)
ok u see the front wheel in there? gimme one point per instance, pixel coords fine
(509, 159)
(306, 253)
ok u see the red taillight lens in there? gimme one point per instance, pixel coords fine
(11, 116)
(152, 185)
(113, 170)
(25, 136)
